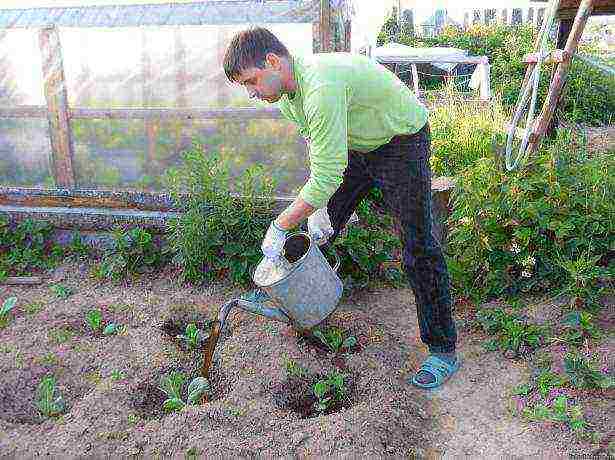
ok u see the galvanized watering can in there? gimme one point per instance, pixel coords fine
(305, 294)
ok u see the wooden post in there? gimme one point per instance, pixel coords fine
(559, 78)
(151, 126)
(57, 107)
(563, 32)
(415, 80)
(325, 26)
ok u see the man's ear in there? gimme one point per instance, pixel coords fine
(272, 61)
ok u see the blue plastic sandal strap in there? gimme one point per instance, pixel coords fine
(437, 367)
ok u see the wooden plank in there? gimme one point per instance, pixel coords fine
(247, 113)
(559, 78)
(22, 280)
(57, 107)
(219, 12)
(415, 80)
(30, 111)
(554, 57)
(326, 44)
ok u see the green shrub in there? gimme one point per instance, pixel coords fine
(583, 373)
(133, 251)
(365, 248)
(220, 233)
(510, 231)
(26, 247)
(513, 334)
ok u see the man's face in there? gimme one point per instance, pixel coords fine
(264, 84)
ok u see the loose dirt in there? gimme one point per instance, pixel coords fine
(111, 383)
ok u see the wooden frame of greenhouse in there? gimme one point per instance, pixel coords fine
(69, 206)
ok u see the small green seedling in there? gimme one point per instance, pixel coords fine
(111, 329)
(192, 336)
(94, 320)
(198, 388)
(334, 339)
(117, 374)
(48, 399)
(61, 291)
(329, 390)
(172, 384)
(6, 308)
(293, 369)
(579, 327)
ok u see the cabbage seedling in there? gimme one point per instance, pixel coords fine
(111, 329)
(48, 399)
(94, 320)
(7, 306)
(197, 389)
(329, 390)
(192, 336)
(334, 339)
(171, 385)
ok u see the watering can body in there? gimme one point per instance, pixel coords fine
(306, 295)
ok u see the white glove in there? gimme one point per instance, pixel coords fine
(319, 226)
(273, 243)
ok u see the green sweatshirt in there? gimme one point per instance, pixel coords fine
(346, 101)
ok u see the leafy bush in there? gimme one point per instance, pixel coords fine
(133, 251)
(364, 249)
(219, 233)
(513, 334)
(579, 327)
(27, 246)
(510, 231)
(582, 373)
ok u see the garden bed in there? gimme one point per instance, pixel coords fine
(258, 405)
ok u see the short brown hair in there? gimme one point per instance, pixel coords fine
(249, 48)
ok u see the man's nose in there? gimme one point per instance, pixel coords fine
(251, 93)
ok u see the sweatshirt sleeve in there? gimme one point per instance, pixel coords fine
(326, 113)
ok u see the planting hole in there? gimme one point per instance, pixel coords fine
(297, 394)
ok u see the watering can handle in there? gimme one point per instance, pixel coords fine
(338, 261)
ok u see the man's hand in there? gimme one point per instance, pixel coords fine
(273, 243)
(319, 226)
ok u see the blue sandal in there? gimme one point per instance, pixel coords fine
(440, 369)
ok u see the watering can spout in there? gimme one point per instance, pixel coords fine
(254, 302)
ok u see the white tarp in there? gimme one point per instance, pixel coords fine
(392, 53)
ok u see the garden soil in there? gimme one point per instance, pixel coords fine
(111, 383)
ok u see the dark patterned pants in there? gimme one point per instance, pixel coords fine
(400, 169)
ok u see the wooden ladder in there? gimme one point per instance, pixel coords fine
(562, 59)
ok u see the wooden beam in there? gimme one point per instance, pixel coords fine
(57, 107)
(325, 27)
(554, 57)
(22, 280)
(559, 78)
(248, 113)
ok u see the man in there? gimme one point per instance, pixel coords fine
(365, 128)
